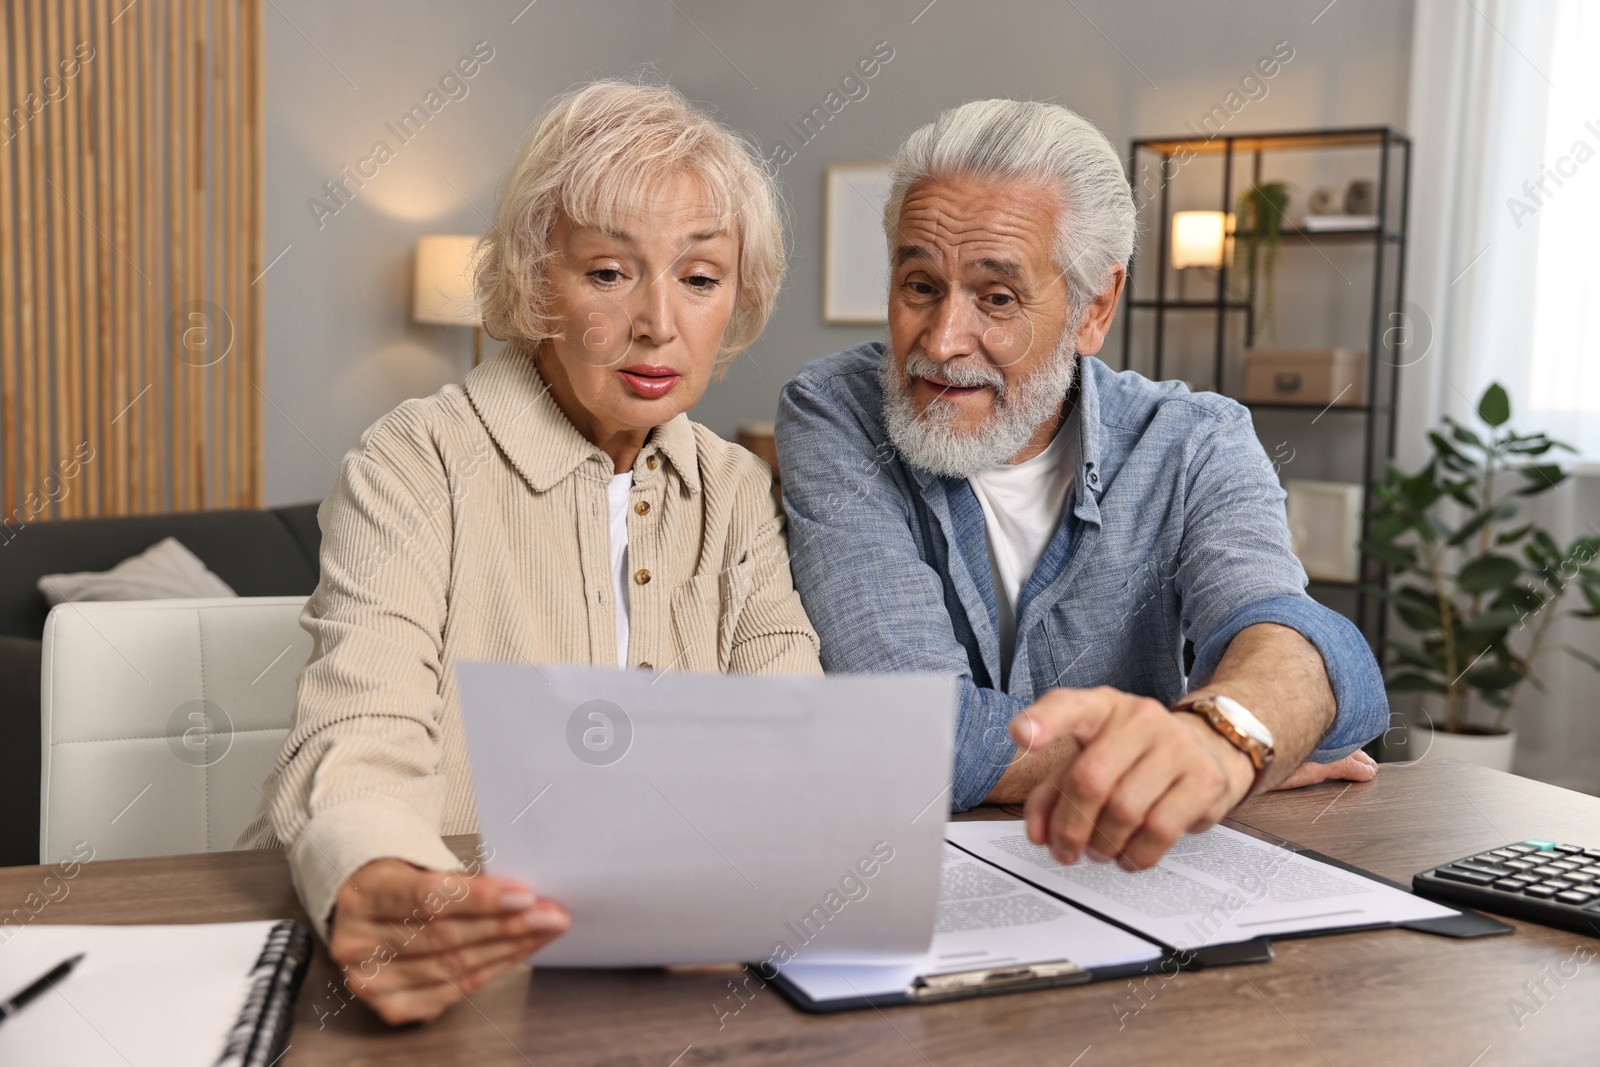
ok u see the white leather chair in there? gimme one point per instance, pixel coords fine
(161, 721)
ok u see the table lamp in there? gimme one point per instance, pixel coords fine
(1199, 239)
(442, 291)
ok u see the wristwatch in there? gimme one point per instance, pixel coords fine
(1243, 730)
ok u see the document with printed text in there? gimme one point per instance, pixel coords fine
(988, 919)
(1214, 888)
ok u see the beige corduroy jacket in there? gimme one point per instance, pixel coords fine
(474, 524)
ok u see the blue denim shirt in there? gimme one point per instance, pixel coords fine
(1175, 528)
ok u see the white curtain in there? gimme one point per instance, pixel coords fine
(1504, 282)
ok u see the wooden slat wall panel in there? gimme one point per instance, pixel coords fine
(144, 407)
(177, 133)
(122, 147)
(69, 393)
(27, 407)
(130, 234)
(254, 254)
(230, 221)
(8, 266)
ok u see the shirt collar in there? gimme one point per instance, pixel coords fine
(1089, 482)
(516, 407)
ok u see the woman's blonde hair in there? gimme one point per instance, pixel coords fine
(595, 155)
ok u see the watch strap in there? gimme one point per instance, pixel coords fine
(1206, 707)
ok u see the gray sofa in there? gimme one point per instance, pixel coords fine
(271, 552)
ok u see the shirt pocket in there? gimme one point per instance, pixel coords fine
(705, 615)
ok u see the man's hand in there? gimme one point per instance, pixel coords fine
(1356, 767)
(1140, 778)
(412, 942)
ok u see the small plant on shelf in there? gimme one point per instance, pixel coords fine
(1261, 214)
(1479, 596)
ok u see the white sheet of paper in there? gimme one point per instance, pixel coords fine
(692, 818)
(145, 996)
(1213, 888)
(987, 918)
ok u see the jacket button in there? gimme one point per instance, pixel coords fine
(646, 666)
(642, 508)
(652, 462)
(641, 577)
(1094, 479)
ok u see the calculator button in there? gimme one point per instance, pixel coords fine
(1470, 877)
(1581, 877)
(1568, 848)
(1510, 885)
(1542, 892)
(1593, 869)
(1556, 883)
(1481, 868)
(1546, 855)
(1518, 865)
(1592, 853)
(1520, 848)
(1502, 854)
(1572, 896)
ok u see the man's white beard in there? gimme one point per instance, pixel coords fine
(932, 443)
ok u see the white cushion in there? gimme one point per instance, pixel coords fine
(165, 570)
(162, 719)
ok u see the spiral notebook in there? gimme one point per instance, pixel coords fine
(200, 994)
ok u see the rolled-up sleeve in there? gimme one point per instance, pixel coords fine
(1237, 569)
(1358, 690)
(876, 604)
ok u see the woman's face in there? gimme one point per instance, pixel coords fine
(642, 314)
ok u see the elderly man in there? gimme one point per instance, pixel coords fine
(983, 498)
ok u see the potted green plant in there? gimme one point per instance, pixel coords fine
(1477, 593)
(1261, 214)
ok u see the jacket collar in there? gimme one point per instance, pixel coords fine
(516, 407)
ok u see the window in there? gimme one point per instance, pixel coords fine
(1564, 371)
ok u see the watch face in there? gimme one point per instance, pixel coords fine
(1246, 723)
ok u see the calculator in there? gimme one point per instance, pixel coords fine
(1540, 881)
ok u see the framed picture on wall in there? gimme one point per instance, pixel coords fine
(855, 270)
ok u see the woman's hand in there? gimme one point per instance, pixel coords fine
(412, 942)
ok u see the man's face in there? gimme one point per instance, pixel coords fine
(977, 304)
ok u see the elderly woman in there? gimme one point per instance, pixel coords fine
(558, 506)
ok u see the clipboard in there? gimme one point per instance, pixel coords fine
(988, 982)
(1050, 974)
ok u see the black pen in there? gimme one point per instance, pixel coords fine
(55, 974)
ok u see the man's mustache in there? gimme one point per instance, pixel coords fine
(964, 372)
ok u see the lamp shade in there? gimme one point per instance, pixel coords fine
(442, 290)
(1199, 238)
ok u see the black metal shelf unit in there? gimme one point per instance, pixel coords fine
(1387, 324)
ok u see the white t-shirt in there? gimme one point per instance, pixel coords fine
(1022, 508)
(617, 493)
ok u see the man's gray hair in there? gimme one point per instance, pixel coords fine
(1027, 140)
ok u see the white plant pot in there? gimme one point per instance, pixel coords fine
(1494, 751)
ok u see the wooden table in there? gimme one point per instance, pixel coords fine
(1380, 997)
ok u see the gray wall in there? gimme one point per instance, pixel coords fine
(341, 350)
